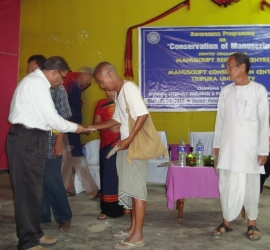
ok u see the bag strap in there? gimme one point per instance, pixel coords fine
(127, 106)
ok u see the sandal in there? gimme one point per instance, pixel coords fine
(127, 245)
(102, 217)
(221, 229)
(63, 227)
(253, 233)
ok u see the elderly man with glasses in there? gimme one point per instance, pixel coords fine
(54, 190)
(33, 115)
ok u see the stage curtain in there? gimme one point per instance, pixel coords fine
(9, 56)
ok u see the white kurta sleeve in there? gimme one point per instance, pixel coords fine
(263, 115)
(219, 120)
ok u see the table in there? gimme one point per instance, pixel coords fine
(190, 182)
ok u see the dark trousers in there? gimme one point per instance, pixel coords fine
(267, 172)
(26, 151)
(55, 196)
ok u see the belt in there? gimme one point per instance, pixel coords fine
(33, 129)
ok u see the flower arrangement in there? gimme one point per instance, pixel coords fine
(191, 160)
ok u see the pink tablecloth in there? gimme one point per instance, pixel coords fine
(191, 182)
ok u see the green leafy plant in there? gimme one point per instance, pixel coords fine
(191, 160)
(209, 161)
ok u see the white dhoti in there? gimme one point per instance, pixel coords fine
(132, 179)
(238, 190)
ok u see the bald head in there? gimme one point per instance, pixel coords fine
(107, 77)
(104, 68)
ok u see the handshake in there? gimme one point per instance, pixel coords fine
(113, 126)
(85, 130)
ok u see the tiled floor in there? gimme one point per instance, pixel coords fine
(162, 229)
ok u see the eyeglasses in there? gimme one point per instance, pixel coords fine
(63, 77)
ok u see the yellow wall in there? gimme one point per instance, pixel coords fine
(86, 32)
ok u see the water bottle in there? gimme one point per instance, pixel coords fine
(199, 154)
(182, 154)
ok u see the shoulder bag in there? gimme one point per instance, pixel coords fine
(146, 144)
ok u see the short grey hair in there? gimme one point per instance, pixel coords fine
(85, 69)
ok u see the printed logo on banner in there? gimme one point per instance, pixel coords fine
(153, 37)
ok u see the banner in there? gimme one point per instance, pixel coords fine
(184, 68)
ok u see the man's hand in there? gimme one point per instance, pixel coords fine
(57, 149)
(80, 129)
(137, 127)
(262, 159)
(124, 144)
(215, 152)
(90, 129)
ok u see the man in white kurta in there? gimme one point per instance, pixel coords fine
(241, 144)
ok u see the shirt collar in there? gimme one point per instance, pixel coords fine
(41, 74)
